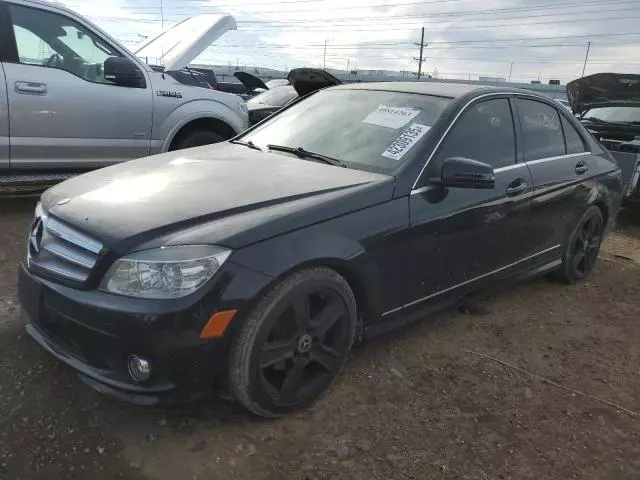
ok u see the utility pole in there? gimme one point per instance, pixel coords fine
(324, 58)
(161, 16)
(510, 70)
(347, 65)
(586, 58)
(421, 58)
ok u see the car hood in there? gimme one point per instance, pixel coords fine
(176, 47)
(603, 90)
(250, 81)
(132, 203)
(308, 80)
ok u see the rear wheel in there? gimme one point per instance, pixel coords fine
(583, 247)
(294, 343)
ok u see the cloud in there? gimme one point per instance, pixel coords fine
(289, 34)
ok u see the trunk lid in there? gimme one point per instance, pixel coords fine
(176, 47)
(308, 80)
(250, 81)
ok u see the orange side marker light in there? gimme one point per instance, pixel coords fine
(217, 324)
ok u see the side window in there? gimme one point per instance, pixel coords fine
(485, 133)
(575, 144)
(541, 129)
(51, 40)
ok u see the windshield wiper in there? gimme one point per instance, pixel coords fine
(249, 144)
(302, 153)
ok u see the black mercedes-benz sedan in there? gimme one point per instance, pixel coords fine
(254, 265)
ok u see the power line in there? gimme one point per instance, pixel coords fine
(464, 27)
(458, 12)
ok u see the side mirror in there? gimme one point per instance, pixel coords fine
(463, 172)
(123, 72)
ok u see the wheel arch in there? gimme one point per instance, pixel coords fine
(207, 123)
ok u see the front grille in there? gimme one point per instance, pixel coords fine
(61, 251)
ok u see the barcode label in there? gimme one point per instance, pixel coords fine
(404, 142)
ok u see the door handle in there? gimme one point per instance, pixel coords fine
(31, 88)
(516, 187)
(581, 168)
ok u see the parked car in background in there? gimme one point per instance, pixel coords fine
(255, 264)
(300, 82)
(72, 98)
(195, 76)
(608, 105)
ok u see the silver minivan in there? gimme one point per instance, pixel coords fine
(76, 99)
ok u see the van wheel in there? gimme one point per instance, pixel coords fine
(197, 138)
(583, 248)
(294, 343)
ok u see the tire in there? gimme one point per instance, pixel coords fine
(582, 248)
(197, 138)
(293, 343)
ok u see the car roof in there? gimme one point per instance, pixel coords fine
(44, 3)
(450, 90)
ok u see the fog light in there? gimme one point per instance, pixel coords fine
(139, 368)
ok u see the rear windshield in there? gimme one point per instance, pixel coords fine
(277, 97)
(614, 114)
(365, 129)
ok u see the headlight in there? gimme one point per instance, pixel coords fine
(168, 272)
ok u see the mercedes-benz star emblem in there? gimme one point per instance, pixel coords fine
(35, 237)
(304, 343)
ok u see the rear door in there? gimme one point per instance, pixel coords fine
(64, 113)
(4, 122)
(560, 166)
(463, 236)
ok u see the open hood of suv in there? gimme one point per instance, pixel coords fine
(250, 81)
(603, 90)
(176, 47)
(307, 80)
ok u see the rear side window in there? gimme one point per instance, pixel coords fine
(575, 144)
(484, 133)
(541, 129)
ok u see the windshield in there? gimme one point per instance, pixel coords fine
(614, 114)
(277, 97)
(364, 129)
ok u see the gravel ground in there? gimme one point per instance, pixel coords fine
(419, 403)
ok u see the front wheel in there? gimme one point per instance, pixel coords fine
(197, 138)
(293, 343)
(582, 250)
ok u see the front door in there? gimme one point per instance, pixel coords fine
(461, 236)
(64, 113)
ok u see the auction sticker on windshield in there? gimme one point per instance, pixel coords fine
(391, 117)
(404, 142)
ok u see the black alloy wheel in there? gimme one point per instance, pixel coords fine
(294, 343)
(583, 248)
(586, 246)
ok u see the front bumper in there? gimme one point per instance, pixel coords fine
(94, 333)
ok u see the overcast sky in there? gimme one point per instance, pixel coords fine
(466, 37)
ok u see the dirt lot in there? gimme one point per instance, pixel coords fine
(414, 404)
